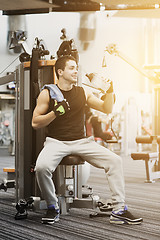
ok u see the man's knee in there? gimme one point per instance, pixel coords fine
(117, 161)
(42, 170)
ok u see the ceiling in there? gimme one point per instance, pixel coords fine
(128, 4)
(42, 6)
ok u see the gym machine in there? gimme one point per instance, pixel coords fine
(152, 163)
(152, 159)
(9, 181)
(28, 141)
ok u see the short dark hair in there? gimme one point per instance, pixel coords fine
(61, 63)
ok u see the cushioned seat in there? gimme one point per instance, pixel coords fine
(72, 160)
(144, 155)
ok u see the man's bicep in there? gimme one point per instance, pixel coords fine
(41, 109)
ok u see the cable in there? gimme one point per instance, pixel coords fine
(9, 64)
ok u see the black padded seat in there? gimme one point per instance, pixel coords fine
(72, 160)
(144, 156)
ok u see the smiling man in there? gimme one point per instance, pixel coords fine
(64, 121)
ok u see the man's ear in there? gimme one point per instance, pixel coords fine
(60, 72)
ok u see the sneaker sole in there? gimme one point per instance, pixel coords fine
(49, 221)
(120, 221)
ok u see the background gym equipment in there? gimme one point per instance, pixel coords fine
(152, 159)
(67, 47)
(112, 49)
(8, 182)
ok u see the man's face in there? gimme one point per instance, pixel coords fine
(70, 72)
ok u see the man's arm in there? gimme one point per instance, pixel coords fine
(105, 106)
(40, 117)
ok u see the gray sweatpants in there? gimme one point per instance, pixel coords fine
(95, 154)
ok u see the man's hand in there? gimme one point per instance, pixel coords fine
(110, 90)
(60, 108)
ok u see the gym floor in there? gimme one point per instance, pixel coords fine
(143, 199)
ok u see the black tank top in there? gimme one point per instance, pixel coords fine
(70, 126)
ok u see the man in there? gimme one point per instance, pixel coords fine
(64, 121)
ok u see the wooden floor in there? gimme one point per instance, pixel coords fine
(143, 199)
